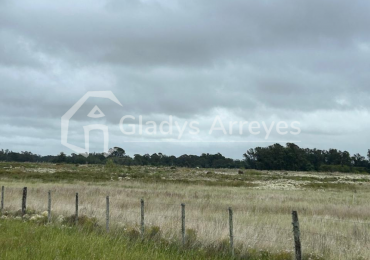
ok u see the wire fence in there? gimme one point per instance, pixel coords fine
(221, 227)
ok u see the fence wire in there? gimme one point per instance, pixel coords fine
(245, 234)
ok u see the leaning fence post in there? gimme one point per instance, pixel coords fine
(297, 239)
(231, 229)
(142, 219)
(76, 214)
(24, 201)
(2, 200)
(49, 206)
(183, 223)
(107, 215)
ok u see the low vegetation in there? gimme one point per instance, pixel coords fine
(30, 240)
(19, 240)
(332, 207)
(274, 157)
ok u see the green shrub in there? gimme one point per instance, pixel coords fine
(83, 221)
(110, 164)
(133, 234)
(154, 232)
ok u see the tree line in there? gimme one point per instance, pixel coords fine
(293, 158)
(274, 157)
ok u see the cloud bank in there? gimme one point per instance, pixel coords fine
(244, 60)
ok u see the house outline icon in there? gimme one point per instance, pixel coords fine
(72, 111)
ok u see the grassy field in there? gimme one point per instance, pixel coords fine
(20, 240)
(333, 209)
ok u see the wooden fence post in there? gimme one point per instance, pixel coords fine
(49, 206)
(231, 229)
(24, 201)
(297, 239)
(2, 200)
(183, 223)
(142, 219)
(76, 214)
(107, 215)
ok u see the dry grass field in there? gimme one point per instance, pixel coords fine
(333, 208)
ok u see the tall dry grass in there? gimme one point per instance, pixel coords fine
(334, 224)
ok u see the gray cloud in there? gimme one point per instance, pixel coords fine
(253, 60)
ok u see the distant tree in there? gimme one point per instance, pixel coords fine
(274, 157)
(346, 159)
(250, 158)
(118, 152)
(154, 159)
(333, 157)
(358, 160)
(61, 157)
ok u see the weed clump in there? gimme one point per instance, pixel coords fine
(133, 234)
(154, 233)
(83, 221)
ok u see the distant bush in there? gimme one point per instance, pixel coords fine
(83, 221)
(110, 164)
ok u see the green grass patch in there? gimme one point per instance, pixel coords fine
(25, 240)
(20, 240)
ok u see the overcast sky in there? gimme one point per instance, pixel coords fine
(264, 61)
